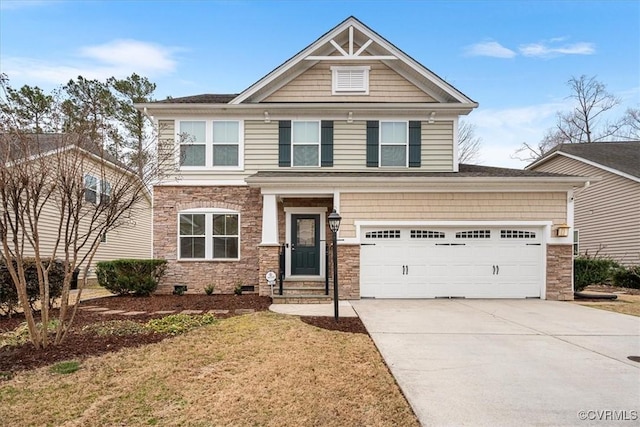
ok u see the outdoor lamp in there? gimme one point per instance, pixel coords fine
(334, 224)
(563, 230)
(334, 221)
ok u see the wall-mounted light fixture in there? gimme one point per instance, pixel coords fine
(350, 117)
(563, 230)
(432, 117)
(267, 119)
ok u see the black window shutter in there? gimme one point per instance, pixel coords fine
(284, 143)
(415, 142)
(326, 144)
(372, 143)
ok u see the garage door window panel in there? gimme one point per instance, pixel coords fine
(427, 234)
(517, 234)
(474, 234)
(383, 234)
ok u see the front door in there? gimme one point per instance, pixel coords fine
(305, 245)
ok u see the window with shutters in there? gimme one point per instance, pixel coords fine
(305, 143)
(394, 144)
(350, 80)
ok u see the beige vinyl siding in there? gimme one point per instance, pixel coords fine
(167, 147)
(349, 145)
(260, 146)
(437, 146)
(350, 149)
(314, 85)
(607, 213)
(450, 207)
(131, 240)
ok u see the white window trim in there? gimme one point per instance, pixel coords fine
(406, 143)
(318, 144)
(98, 189)
(334, 80)
(208, 234)
(209, 144)
(323, 244)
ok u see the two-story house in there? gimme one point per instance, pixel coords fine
(352, 122)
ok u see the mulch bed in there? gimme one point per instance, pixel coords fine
(79, 345)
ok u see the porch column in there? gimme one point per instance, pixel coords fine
(269, 220)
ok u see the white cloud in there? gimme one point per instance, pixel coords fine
(542, 50)
(118, 58)
(492, 49)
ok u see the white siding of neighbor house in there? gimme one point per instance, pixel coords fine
(607, 213)
(450, 207)
(314, 85)
(350, 148)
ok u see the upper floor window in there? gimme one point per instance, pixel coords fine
(305, 143)
(350, 80)
(393, 144)
(209, 235)
(208, 144)
(96, 190)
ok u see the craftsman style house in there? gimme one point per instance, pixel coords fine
(351, 123)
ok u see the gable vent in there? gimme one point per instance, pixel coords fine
(350, 80)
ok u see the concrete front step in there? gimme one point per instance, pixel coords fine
(301, 299)
(302, 290)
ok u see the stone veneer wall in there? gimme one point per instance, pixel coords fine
(224, 275)
(348, 271)
(559, 272)
(269, 261)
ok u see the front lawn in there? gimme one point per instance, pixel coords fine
(259, 369)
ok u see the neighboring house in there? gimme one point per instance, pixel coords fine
(607, 213)
(132, 239)
(353, 123)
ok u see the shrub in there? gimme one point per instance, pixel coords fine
(125, 276)
(8, 293)
(209, 289)
(592, 271)
(627, 277)
(238, 289)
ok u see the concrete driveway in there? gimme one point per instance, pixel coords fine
(509, 362)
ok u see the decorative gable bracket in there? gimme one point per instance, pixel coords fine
(350, 55)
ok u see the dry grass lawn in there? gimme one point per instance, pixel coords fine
(625, 304)
(262, 369)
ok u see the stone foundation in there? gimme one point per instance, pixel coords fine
(559, 272)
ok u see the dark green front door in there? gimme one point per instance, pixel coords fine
(305, 245)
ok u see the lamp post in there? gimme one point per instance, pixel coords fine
(334, 224)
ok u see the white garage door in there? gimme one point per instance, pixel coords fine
(432, 262)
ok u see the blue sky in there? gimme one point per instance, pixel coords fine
(513, 57)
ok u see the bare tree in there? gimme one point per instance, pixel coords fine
(468, 143)
(66, 182)
(585, 123)
(631, 120)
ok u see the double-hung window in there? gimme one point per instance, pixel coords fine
(394, 144)
(96, 190)
(305, 143)
(193, 143)
(91, 189)
(210, 143)
(209, 235)
(226, 143)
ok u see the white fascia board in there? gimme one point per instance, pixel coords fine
(202, 183)
(283, 185)
(250, 111)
